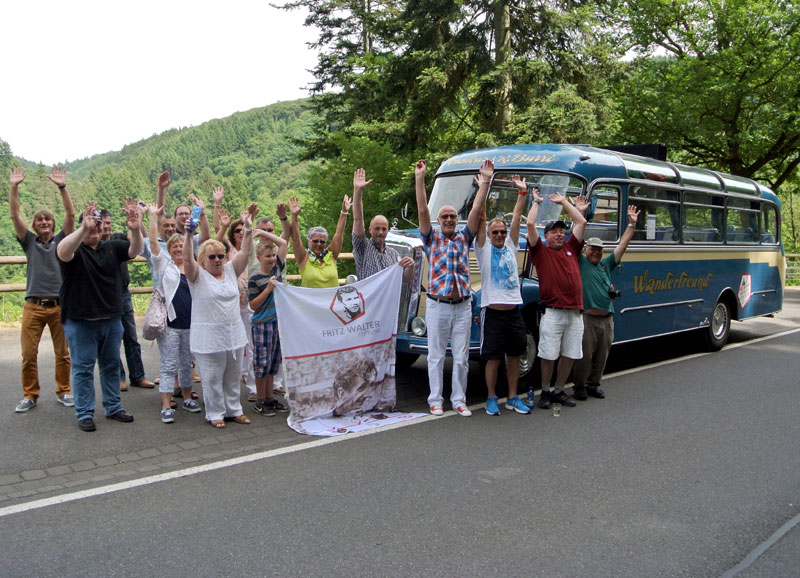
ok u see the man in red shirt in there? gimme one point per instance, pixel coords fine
(561, 292)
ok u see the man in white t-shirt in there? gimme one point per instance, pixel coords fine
(503, 332)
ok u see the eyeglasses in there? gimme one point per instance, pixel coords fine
(215, 257)
(318, 240)
(270, 230)
(237, 231)
(499, 232)
(448, 217)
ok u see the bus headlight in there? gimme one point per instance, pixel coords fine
(418, 327)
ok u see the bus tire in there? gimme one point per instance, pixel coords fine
(405, 360)
(717, 333)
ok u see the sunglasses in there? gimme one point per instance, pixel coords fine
(270, 230)
(214, 257)
(448, 217)
(237, 231)
(318, 240)
(499, 233)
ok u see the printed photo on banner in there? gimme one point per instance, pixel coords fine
(341, 364)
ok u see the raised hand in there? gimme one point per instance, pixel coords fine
(486, 171)
(163, 180)
(420, 168)
(224, 219)
(360, 179)
(218, 194)
(581, 204)
(280, 210)
(346, 204)
(155, 210)
(198, 201)
(89, 222)
(16, 176)
(252, 210)
(247, 219)
(556, 198)
(58, 176)
(536, 196)
(633, 214)
(294, 206)
(519, 183)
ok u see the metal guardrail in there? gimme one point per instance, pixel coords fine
(22, 260)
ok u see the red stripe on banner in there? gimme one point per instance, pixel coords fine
(339, 350)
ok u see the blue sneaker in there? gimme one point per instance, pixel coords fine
(519, 406)
(168, 415)
(491, 406)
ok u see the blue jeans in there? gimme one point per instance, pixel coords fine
(133, 351)
(93, 342)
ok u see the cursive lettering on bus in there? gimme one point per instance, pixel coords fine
(646, 284)
(503, 159)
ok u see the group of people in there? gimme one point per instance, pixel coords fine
(217, 293)
(575, 289)
(219, 297)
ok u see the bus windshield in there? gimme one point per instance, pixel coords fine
(459, 191)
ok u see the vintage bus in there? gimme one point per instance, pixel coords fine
(707, 247)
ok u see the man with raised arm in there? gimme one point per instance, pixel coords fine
(167, 226)
(130, 341)
(448, 314)
(372, 255)
(503, 334)
(91, 305)
(598, 309)
(560, 291)
(43, 283)
(183, 212)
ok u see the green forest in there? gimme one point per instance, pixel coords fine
(398, 80)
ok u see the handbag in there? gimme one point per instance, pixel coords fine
(155, 320)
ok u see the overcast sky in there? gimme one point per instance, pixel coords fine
(87, 76)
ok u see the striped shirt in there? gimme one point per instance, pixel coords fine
(448, 262)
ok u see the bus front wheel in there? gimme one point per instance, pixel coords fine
(716, 334)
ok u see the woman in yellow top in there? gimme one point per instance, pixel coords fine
(317, 264)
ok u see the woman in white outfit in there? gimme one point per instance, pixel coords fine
(217, 337)
(173, 343)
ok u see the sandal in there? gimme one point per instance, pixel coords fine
(217, 423)
(194, 395)
(242, 419)
(173, 404)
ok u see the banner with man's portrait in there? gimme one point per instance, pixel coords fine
(338, 348)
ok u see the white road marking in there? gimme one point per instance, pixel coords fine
(99, 491)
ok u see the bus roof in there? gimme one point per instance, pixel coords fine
(592, 163)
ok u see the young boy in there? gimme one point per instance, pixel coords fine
(266, 343)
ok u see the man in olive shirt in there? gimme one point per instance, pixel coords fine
(41, 292)
(598, 313)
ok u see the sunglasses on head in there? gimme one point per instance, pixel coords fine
(214, 257)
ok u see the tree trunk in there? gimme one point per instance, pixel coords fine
(502, 52)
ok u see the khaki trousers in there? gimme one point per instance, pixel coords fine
(34, 318)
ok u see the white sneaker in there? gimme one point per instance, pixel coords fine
(463, 410)
(437, 410)
(66, 400)
(25, 405)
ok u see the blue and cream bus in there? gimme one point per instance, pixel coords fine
(707, 248)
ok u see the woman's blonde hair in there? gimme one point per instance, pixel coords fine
(176, 237)
(207, 247)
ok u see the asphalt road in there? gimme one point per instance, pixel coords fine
(688, 468)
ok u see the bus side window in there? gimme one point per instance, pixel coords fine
(702, 218)
(769, 232)
(605, 218)
(659, 218)
(743, 221)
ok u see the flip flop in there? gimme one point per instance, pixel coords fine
(217, 423)
(242, 419)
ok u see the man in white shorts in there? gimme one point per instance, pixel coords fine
(561, 292)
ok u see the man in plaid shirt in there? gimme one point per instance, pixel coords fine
(448, 314)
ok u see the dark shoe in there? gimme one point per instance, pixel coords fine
(178, 392)
(264, 409)
(122, 416)
(278, 406)
(544, 400)
(579, 393)
(562, 398)
(596, 392)
(87, 424)
(143, 383)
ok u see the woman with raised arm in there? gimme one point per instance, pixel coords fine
(217, 335)
(173, 343)
(316, 263)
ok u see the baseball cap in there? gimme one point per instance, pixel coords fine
(594, 242)
(549, 226)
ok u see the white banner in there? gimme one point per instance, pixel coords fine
(338, 348)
